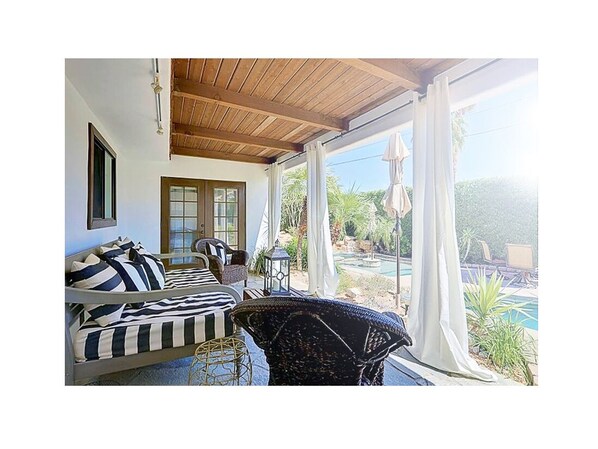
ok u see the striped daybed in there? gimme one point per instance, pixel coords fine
(192, 308)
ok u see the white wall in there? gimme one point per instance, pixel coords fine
(143, 193)
(77, 116)
(138, 185)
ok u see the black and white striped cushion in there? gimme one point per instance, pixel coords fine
(95, 274)
(132, 273)
(125, 244)
(163, 324)
(109, 253)
(218, 250)
(154, 267)
(189, 277)
(158, 325)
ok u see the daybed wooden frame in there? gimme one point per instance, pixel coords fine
(75, 371)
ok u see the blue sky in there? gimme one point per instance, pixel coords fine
(501, 141)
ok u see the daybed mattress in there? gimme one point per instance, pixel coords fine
(167, 323)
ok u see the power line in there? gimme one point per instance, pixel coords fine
(527, 97)
(356, 160)
(466, 135)
(495, 129)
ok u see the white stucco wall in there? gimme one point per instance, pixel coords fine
(138, 185)
(143, 193)
(77, 116)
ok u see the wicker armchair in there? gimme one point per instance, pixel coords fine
(226, 274)
(312, 341)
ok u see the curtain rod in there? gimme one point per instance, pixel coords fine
(342, 134)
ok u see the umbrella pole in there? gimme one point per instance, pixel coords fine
(398, 250)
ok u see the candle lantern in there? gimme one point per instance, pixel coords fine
(277, 272)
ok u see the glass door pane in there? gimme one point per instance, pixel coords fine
(182, 218)
(226, 215)
(183, 221)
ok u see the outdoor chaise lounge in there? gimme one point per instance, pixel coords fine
(154, 326)
(312, 341)
(489, 259)
(520, 257)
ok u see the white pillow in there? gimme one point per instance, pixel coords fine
(218, 250)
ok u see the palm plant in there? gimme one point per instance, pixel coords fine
(294, 189)
(378, 228)
(467, 237)
(458, 132)
(346, 208)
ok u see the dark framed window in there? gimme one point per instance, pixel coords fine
(101, 175)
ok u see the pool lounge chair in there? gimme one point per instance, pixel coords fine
(487, 256)
(520, 257)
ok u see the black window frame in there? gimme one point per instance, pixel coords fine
(96, 192)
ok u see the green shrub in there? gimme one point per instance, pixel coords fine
(291, 249)
(500, 338)
(500, 210)
(506, 347)
(258, 264)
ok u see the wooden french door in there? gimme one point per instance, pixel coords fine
(198, 208)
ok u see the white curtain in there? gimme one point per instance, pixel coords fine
(274, 200)
(322, 274)
(436, 319)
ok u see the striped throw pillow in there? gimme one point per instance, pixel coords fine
(109, 253)
(153, 266)
(218, 250)
(125, 244)
(132, 273)
(95, 274)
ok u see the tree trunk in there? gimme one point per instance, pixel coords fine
(302, 230)
(335, 233)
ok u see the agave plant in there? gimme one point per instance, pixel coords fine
(467, 237)
(486, 300)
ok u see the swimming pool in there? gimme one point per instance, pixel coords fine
(531, 309)
(388, 267)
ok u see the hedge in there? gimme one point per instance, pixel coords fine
(498, 210)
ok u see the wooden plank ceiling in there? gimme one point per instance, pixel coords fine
(256, 110)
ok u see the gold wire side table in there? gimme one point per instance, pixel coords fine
(223, 361)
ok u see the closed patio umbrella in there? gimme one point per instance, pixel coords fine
(396, 201)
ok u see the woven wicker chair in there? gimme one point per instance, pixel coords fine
(226, 274)
(312, 341)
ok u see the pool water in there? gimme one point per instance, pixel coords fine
(531, 309)
(529, 322)
(386, 268)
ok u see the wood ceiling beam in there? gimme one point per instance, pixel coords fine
(391, 70)
(197, 91)
(211, 154)
(225, 136)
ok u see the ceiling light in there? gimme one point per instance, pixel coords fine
(156, 85)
